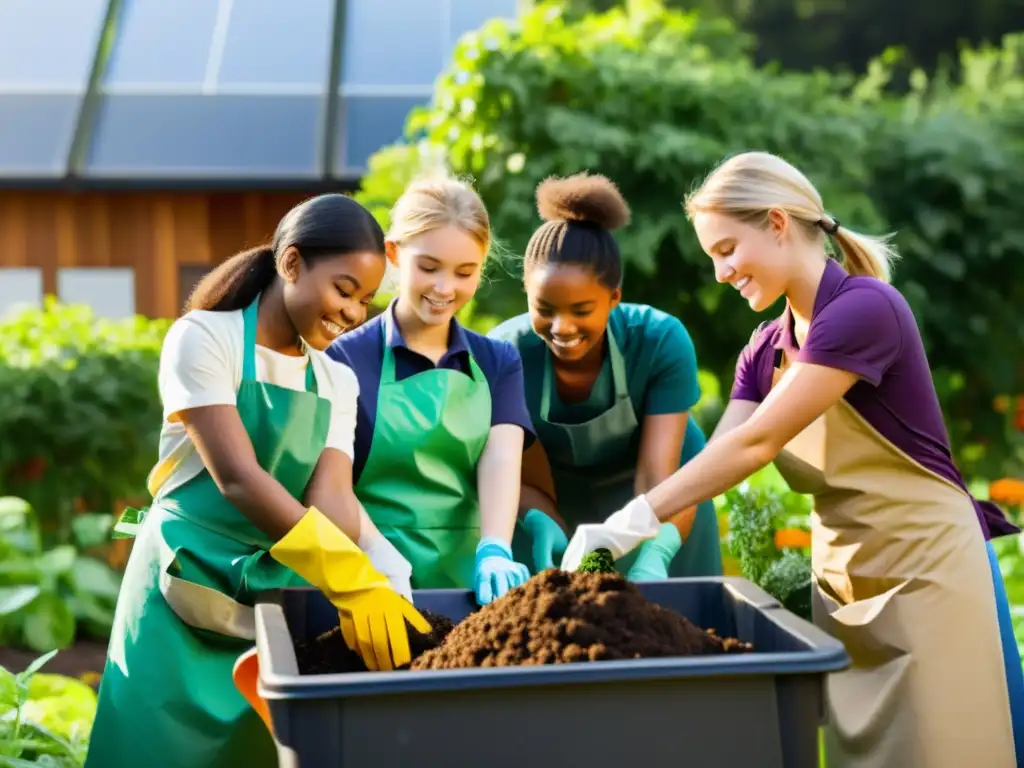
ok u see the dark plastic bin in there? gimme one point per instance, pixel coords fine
(757, 710)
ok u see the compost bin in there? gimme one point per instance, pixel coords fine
(757, 709)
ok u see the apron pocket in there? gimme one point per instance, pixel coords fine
(200, 606)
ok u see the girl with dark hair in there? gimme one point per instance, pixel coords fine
(604, 436)
(252, 491)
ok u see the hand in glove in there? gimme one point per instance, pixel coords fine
(547, 537)
(371, 613)
(495, 572)
(656, 555)
(621, 533)
(386, 558)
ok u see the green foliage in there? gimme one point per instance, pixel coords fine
(788, 579)
(45, 720)
(655, 98)
(81, 416)
(755, 512)
(598, 561)
(48, 594)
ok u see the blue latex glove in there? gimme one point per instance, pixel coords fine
(656, 555)
(495, 572)
(548, 538)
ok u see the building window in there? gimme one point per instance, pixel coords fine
(108, 291)
(20, 287)
(189, 276)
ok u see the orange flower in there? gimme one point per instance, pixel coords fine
(792, 538)
(1007, 491)
(1001, 404)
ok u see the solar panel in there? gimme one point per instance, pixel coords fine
(393, 43)
(267, 45)
(40, 92)
(366, 124)
(48, 45)
(377, 89)
(229, 136)
(237, 89)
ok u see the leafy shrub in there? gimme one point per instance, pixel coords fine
(81, 413)
(654, 98)
(49, 595)
(45, 720)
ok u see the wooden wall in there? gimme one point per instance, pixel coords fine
(164, 236)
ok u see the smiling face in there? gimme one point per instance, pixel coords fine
(331, 294)
(752, 260)
(569, 308)
(439, 271)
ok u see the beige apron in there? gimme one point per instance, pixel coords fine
(902, 579)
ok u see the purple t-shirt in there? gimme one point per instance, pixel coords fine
(362, 350)
(865, 326)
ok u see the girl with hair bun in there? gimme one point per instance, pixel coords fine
(251, 492)
(609, 386)
(838, 393)
(442, 420)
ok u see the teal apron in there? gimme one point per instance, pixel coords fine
(594, 468)
(419, 484)
(184, 614)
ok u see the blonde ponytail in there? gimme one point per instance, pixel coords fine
(750, 185)
(865, 255)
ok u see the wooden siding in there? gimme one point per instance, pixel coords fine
(158, 234)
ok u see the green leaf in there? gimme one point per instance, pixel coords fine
(57, 561)
(15, 598)
(48, 624)
(36, 665)
(92, 529)
(62, 705)
(95, 578)
(11, 507)
(8, 691)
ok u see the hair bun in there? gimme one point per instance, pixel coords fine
(582, 197)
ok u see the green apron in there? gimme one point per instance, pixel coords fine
(594, 468)
(419, 483)
(185, 612)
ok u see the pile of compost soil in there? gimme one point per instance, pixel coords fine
(327, 654)
(559, 617)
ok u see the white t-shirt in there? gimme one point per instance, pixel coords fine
(201, 365)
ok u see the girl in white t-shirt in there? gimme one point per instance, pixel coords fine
(252, 492)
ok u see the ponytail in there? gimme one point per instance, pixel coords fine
(749, 185)
(865, 255)
(236, 283)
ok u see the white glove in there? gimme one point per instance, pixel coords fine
(621, 533)
(389, 561)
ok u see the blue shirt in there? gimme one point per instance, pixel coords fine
(661, 369)
(363, 350)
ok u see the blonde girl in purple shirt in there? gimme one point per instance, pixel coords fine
(838, 393)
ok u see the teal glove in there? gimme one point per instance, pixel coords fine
(656, 555)
(495, 572)
(547, 537)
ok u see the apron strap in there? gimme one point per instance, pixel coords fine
(250, 320)
(620, 386)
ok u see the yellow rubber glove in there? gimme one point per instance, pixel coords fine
(372, 614)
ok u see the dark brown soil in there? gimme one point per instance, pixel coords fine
(560, 618)
(328, 654)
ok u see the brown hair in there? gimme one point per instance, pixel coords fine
(580, 213)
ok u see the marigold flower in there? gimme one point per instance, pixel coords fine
(1008, 490)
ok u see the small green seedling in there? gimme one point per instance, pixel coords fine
(598, 561)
